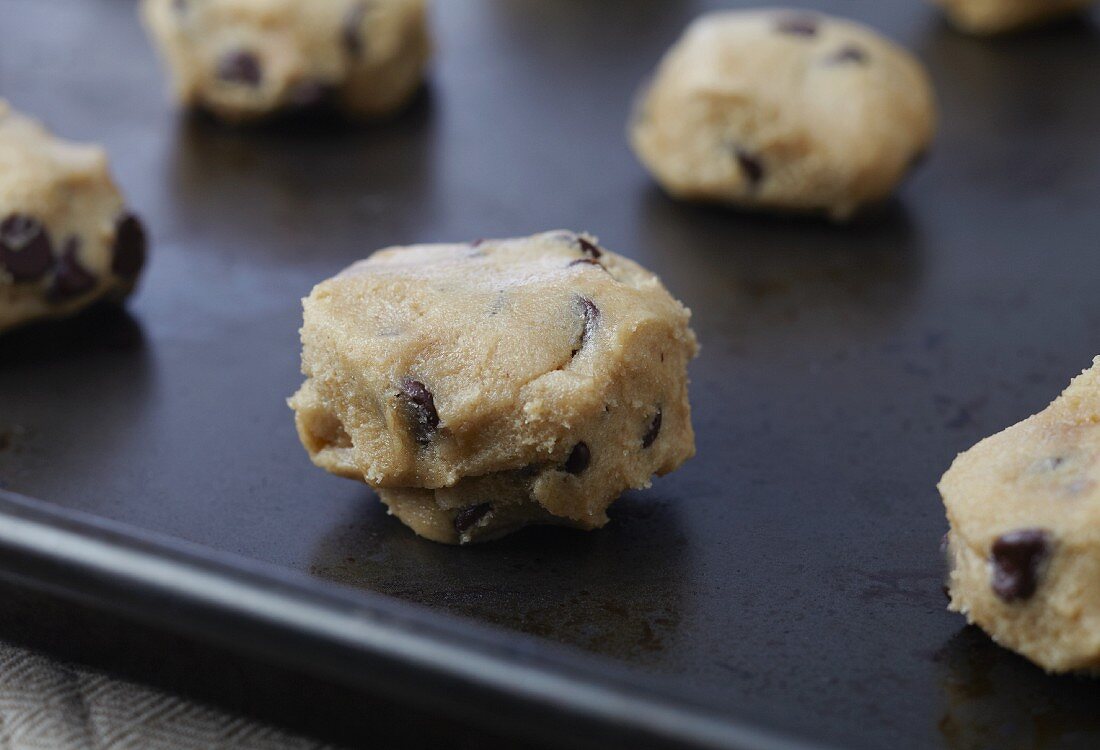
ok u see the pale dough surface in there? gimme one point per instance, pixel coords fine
(66, 239)
(557, 374)
(1024, 509)
(997, 16)
(784, 111)
(247, 59)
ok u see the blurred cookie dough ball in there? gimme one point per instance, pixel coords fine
(66, 238)
(784, 111)
(247, 59)
(997, 16)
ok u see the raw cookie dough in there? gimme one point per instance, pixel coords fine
(1024, 545)
(66, 239)
(997, 16)
(481, 387)
(784, 111)
(246, 59)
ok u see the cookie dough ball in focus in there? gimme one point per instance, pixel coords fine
(997, 16)
(485, 387)
(1024, 545)
(247, 59)
(66, 238)
(784, 111)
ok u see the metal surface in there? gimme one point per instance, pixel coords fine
(788, 577)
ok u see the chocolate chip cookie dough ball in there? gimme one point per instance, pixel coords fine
(1024, 508)
(485, 387)
(247, 59)
(783, 111)
(998, 16)
(66, 239)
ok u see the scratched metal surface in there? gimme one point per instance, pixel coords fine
(791, 570)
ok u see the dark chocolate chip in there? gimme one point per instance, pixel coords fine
(240, 66)
(591, 314)
(751, 166)
(26, 252)
(467, 518)
(349, 30)
(71, 279)
(585, 262)
(129, 250)
(420, 409)
(579, 458)
(799, 24)
(653, 431)
(1017, 557)
(589, 248)
(849, 53)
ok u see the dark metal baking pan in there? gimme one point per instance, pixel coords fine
(784, 583)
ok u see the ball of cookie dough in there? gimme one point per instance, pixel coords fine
(1024, 544)
(247, 59)
(997, 16)
(66, 239)
(482, 387)
(783, 111)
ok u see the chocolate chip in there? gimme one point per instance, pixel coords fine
(467, 518)
(240, 66)
(26, 252)
(591, 314)
(71, 279)
(349, 30)
(1017, 557)
(585, 262)
(653, 431)
(420, 409)
(751, 166)
(849, 53)
(129, 250)
(799, 24)
(579, 458)
(589, 248)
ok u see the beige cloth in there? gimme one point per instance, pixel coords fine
(47, 705)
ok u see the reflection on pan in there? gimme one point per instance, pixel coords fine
(995, 699)
(99, 359)
(615, 592)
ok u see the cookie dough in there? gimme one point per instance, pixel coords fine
(247, 59)
(997, 16)
(66, 239)
(482, 387)
(784, 111)
(1024, 545)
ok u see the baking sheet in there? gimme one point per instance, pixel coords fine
(790, 573)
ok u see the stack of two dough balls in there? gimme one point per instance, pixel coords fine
(249, 59)
(484, 387)
(784, 111)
